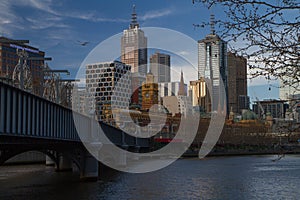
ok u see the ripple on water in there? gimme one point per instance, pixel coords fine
(248, 177)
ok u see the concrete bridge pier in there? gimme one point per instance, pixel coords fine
(121, 159)
(64, 164)
(90, 168)
(112, 156)
(49, 161)
(136, 150)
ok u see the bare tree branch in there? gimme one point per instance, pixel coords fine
(269, 31)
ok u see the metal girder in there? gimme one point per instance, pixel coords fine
(29, 122)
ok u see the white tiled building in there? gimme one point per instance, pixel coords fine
(107, 84)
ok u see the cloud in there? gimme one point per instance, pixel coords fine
(94, 18)
(11, 20)
(184, 53)
(45, 5)
(8, 20)
(156, 14)
(46, 14)
(46, 23)
(87, 15)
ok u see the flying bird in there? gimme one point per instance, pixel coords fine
(82, 43)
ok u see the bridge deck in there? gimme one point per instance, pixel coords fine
(24, 115)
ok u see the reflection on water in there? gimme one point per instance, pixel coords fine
(249, 177)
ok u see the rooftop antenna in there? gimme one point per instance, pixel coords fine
(212, 20)
(134, 22)
(212, 24)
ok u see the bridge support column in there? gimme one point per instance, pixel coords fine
(49, 161)
(121, 158)
(136, 150)
(89, 168)
(64, 164)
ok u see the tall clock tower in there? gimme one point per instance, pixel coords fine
(149, 92)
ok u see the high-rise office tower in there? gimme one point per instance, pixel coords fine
(134, 53)
(237, 83)
(212, 65)
(160, 67)
(134, 46)
(9, 59)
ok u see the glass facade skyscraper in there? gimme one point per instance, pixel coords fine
(160, 67)
(212, 65)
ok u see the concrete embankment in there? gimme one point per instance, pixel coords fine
(242, 153)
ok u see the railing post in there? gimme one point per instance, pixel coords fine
(8, 111)
(2, 109)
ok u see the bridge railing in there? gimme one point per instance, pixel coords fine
(25, 114)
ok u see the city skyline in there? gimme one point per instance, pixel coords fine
(96, 97)
(64, 30)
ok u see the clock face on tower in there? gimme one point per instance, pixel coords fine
(147, 95)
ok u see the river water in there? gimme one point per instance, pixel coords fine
(244, 177)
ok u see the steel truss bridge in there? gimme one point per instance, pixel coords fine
(32, 123)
